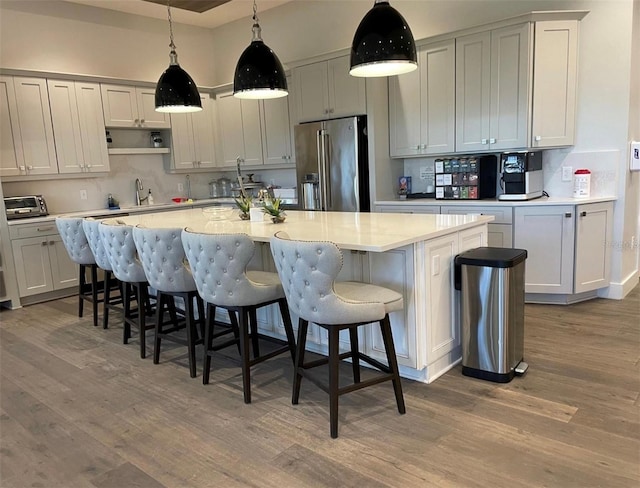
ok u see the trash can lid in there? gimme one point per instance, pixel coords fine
(493, 257)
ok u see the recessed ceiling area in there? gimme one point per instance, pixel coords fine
(191, 5)
(227, 10)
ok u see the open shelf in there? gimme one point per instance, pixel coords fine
(139, 150)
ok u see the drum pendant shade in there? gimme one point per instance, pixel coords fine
(383, 44)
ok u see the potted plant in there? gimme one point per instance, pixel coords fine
(244, 204)
(272, 207)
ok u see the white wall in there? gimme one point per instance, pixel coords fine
(61, 37)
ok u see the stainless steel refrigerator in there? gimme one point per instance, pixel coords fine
(332, 165)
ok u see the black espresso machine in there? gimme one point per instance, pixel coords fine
(521, 175)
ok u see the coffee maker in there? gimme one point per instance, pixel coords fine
(521, 175)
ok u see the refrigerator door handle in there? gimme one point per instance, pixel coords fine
(322, 168)
(326, 164)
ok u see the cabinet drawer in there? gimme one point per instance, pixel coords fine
(503, 215)
(32, 230)
(424, 209)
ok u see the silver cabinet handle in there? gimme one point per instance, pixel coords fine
(483, 141)
(44, 243)
(583, 214)
(568, 214)
(44, 229)
(538, 138)
(492, 140)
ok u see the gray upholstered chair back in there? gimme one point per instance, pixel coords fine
(162, 256)
(308, 270)
(219, 264)
(91, 229)
(74, 240)
(117, 239)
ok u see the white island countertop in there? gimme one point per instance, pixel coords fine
(376, 232)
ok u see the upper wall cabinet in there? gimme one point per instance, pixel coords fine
(192, 138)
(422, 104)
(325, 90)
(78, 123)
(554, 82)
(493, 89)
(134, 107)
(27, 145)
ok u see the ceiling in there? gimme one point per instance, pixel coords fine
(223, 14)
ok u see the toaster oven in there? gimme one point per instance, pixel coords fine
(23, 207)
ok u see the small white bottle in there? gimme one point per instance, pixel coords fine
(150, 198)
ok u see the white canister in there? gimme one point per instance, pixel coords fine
(582, 183)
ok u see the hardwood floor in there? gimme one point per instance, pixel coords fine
(80, 409)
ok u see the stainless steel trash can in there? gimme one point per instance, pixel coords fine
(491, 282)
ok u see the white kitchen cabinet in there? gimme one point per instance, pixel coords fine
(493, 89)
(78, 123)
(192, 138)
(276, 131)
(133, 107)
(42, 264)
(325, 90)
(500, 230)
(11, 155)
(554, 83)
(240, 131)
(425, 209)
(594, 228)
(27, 132)
(422, 104)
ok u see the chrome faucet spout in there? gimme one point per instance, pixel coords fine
(139, 188)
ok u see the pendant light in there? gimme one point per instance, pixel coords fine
(383, 44)
(259, 73)
(176, 91)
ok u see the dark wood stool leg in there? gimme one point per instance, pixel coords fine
(127, 312)
(387, 337)
(107, 298)
(233, 318)
(192, 333)
(355, 355)
(143, 300)
(157, 338)
(81, 288)
(244, 352)
(208, 342)
(288, 327)
(253, 321)
(94, 293)
(299, 360)
(201, 315)
(334, 367)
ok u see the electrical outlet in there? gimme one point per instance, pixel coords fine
(180, 187)
(567, 173)
(435, 265)
(83, 194)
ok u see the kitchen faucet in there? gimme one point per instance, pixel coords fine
(188, 185)
(139, 188)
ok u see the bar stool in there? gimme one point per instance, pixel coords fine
(308, 271)
(91, 231)
(163, 260)
(218, 263)
(117, 239)
(75, 242)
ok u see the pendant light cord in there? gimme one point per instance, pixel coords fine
(257, 31)
(255, 12)
(173, 56)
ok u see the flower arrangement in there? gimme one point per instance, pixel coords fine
(272, 207)
(244, 204)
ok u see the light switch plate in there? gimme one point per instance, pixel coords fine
(567, 173)
(634, 156)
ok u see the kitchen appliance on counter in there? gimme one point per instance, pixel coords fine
(466, 177)
(521, 175)
(27, 206)
(332, 164)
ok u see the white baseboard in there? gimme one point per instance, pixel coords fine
(617, 291)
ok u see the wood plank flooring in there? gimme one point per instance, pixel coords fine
(78, 409)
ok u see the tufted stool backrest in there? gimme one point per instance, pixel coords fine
(74, 240)
(219, 263)
(163, 260)
(92, 233)
(308, 270)
(117, 239)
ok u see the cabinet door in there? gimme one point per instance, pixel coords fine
(66, 122)
(64, 272)
(473, 90)
(92, 130)
(230, 122)
(594, 226)
(182, 144)
(437, 108)
(251, 131)
(276, 131)
(554, 82)
(500, 235)
(510, 87)
(36, 130)
(547, 233)
(404, 114)
(347, 94)
(146, 103)
(203, 134)
(11, 155)
(120, 106)
(33, 269)
(312, 92)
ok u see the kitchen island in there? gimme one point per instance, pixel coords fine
(412, 254)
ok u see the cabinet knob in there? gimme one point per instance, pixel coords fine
(483, 141)
(136, 121)
(330, 110)
(142, 121)
(418, 147)
(538, 138)
(492, 140)
(583, 214)
(51, 243)
(23, 168)
(326, 110)
(568, 214)
(43, 243)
